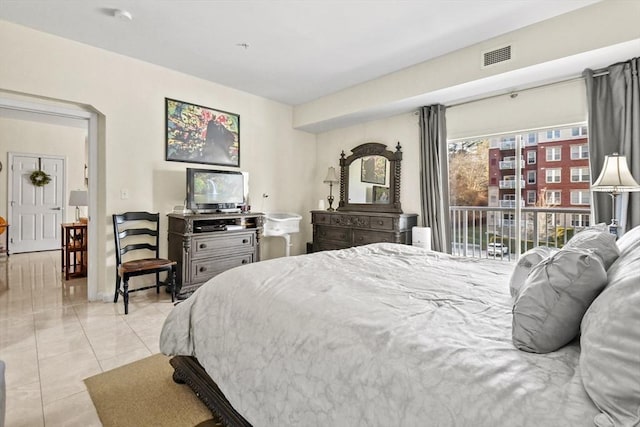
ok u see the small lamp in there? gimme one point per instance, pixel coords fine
(615, 178)
(78, 198)
(331, 179)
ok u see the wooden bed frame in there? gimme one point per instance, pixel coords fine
(187, 370)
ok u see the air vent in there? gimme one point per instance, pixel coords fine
(496, 56)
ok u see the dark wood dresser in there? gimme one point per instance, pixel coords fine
(344, 229)
(205, 245)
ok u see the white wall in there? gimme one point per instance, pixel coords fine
(129, 97)
(31, 137)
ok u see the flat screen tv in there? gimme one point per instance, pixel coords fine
(211, 190)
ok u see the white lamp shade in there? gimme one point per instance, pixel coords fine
(78, 198)
(615, 176)
(331, 176)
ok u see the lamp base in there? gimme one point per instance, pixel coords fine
(330, 200)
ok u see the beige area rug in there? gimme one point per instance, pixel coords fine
(143, 394)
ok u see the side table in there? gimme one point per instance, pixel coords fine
(74, 250)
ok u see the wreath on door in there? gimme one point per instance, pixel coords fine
(39, 178)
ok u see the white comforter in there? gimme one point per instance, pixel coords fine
(378, 335)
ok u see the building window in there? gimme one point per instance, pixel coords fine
(531, 177)
(553, 175)
(580, 197)
(580, 175)
(553, 134)
(531, 138)
(553, 197)
(579, 152)
(579, 131)
(531, 197)
(579, 220)
(554, 154)
(531, 157)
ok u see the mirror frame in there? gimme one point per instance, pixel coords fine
(372, 149)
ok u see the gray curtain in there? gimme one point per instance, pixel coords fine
(434, 176)
(613, 96)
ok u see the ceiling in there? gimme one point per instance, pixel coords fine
(291, 51)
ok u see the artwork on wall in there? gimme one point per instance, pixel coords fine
(380, 194)
(198, 134)
(374, 170)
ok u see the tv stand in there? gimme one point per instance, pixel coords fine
(205, 245)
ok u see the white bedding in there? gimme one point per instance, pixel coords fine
(378, 335)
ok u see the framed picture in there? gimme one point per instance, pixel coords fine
(374, 170)
(198, 134)
(380, 194)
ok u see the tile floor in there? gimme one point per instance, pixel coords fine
(51, 338)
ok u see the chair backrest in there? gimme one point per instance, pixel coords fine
(130, 224)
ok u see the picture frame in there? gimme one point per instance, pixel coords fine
(380, 194)
(374, 170)
(199, 134)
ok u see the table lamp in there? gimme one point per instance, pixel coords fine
(331, 179)
(78, 198)
(615, 178)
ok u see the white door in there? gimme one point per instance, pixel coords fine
(35, 212)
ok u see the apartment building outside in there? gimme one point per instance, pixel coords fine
(553, 173)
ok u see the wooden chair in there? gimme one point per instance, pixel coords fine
(139, 231)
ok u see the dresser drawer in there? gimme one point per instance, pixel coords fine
(204, 246)
(364, 237)
(335, 234)
(321, 218)
(381, 223)
(356, 221)
(205, 269)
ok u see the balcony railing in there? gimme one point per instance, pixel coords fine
(510, 203)
(510, 183)
(473, 227)
(509, 164)
(508, 145)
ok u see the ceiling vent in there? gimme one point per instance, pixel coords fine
(496, 56)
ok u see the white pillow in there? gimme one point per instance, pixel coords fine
(601, 241)
(629, 239)
(524, 265)
(548, 311)
(610, 342)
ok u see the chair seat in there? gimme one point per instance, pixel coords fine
(145, 265)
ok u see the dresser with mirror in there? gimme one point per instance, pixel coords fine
(369, 209)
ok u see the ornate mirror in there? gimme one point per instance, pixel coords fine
(370, 179)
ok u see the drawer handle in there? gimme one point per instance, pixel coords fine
(245, 240)
(203, 246)
(244, 261)
(203, 269)
(380, 222)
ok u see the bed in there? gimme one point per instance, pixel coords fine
(379, 335)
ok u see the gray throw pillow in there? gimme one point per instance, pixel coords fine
(549, 308)
(601, 241)
(524, 265)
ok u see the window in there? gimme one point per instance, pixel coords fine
(531, 138)
(531, 177)
(554, 154)
(580, 197)
(579, 220)
(580, 175)
(554, 197)
(531, 157)
(553, 134)
(553, 175)
(531, 197)
(580, 151)
(579, 131)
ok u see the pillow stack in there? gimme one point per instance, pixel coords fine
(558, 290)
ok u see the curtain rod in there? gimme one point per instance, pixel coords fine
(515, 92)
